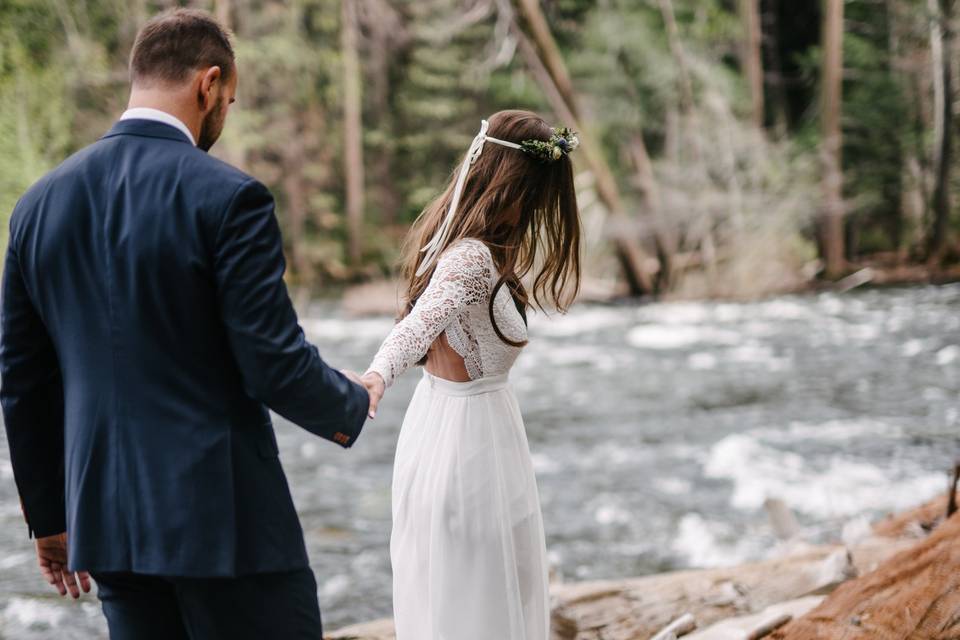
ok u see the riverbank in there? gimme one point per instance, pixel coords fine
(382, 297)
(907, 562)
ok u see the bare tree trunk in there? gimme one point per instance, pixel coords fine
(645, 180)
(296, 204)
(687, 104)
(752, 56)
(942, 34)
(649, 188)
(223, 10)
(548, 68)
(682, 136)
(673, 40)
(832, 240)
(550, 53)
(906, 192)
(353, 132)
(774, 73)
(386, 36)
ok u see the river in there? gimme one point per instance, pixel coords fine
(657, 432)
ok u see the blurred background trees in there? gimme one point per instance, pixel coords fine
(731, 147)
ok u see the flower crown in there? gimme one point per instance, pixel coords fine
(562, 142)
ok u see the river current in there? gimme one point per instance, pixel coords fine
(657, 433)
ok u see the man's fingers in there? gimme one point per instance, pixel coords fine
(352, 376)
(71, 581)
(84, 578)
(57, 571)
(47, 573)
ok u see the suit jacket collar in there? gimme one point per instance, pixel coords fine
(147, 129)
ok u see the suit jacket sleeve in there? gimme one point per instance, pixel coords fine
(31, 393)
(279, 367)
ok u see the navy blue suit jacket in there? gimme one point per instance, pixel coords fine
(146, 329)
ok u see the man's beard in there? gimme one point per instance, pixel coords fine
(211, 127)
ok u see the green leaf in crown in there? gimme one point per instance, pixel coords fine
(562, 142)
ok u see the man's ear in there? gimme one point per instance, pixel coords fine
(209, 88)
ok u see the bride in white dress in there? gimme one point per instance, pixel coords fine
(467, 547)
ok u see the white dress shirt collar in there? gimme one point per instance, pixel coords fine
(146, 113)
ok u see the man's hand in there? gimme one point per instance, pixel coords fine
(374, 385)
(376, 388)
(52, 555)
(352, 376)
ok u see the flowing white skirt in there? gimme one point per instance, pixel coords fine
(468, 552)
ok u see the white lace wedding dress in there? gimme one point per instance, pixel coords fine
(467, 548)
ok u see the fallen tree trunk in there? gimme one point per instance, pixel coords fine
(912, 596)
(640, 607)
(757, 625)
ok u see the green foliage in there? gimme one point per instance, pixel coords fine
(35, 120)
(874, 138)
(431, 69)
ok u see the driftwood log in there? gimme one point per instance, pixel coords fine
(757, 625)
(914, 595)
(640, 607)
(903, 569)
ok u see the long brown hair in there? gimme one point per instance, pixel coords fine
(501, 180)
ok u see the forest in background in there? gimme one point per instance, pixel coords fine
(730, 148)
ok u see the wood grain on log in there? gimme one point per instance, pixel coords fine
(757, 625)
(912, 596)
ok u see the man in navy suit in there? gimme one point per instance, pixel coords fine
(146, 331)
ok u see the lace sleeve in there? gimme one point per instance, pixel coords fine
(461, 278)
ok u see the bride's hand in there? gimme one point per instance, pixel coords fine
(375, 387)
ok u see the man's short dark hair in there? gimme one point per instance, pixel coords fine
(175, 43)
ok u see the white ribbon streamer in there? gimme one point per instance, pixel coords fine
(432, 248)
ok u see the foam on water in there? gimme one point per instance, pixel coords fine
(335, 587)
(673, 486)
(607, 510)
(610, 455)
(579, 321)
(355, 329)
(703, 543)
(544, 464)
(679, 337)
(26, 612)
(578, 355)
(759, 354)
(702, 361)
(948, 355)
(836, 486)
(15, 559)
(836, 431)
(912, 348)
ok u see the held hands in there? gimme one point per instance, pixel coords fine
(376, 388)
(52, 555)
(374, 385)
